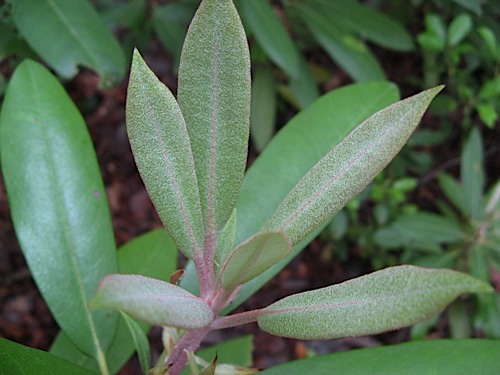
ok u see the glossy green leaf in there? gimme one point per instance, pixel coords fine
(141, 343)
(293, 151)
(443, 357)
(263, 109)
(253, 257)
(214, 95)
(369, 23)
(459, 28)
(472, 174)
(161, 148)
(348, 168)
(58, 202)
(22, 360)
(152, 254)
(381, 301)
(152, 301)
(272, 36)
(345, 49)
(69, 33)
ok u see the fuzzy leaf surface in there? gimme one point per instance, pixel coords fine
(58, 202)
(381, 301)
(214, 95)
(152, 301)
(81, 35)
(290, 154)
(348, 168)
(152, 254)
(253, 257)
(162, 151)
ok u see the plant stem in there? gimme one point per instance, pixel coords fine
(188, 343)
(237, 319)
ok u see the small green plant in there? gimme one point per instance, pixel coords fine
(237, 230)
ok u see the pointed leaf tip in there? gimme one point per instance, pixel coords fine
(161, 147)
(381, 301)
(349, 167)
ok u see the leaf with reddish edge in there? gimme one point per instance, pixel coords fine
(349, 167)
(162, 151)
(214, 95)
(152, 301)
(381, 301)
(253, 257)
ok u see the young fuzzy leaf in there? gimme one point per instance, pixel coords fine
(162, 151)
(152, 301)
(225, 241)
(381, 301)
(348, 168)
(253, 257)
(214, 95)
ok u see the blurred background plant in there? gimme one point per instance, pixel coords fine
(437, 204)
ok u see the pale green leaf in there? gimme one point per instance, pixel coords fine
(152, 301)
(272, 36)
(459, 28)
(381, 301)
(290, 154)
(422, 357)
(453, 190)
(348, 168)
(345, 49)
(141, 343)
(162, 151)
(58, 202)
(253, 257)
(214, 95)
(69, 33)
(152, 254)
(369, 23)
(472, 174)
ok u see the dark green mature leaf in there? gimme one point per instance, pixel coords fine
(443, 357)
(263, 115)
(214, 95)
(152, 301)
(58, 202)
(293, 151)
(372, 25)
(152, 254)
(345, 49)
(22, 360)
(271, 34)
(253, 257)
(162, 151)
(385, 300)
(348, 168)
(68, 33)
